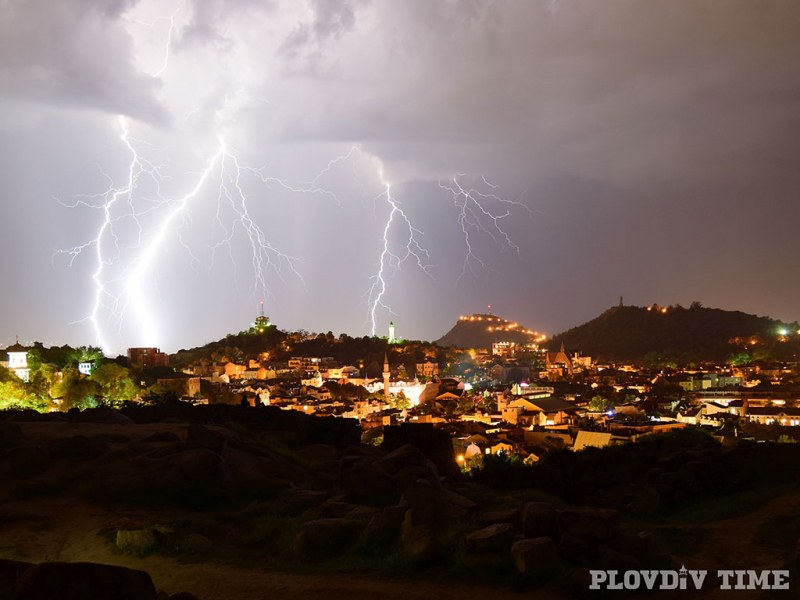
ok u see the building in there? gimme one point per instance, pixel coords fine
(147, 358)
(386, 376)
(18, 361)
(558, 364)
(392, 338)
(428, 369)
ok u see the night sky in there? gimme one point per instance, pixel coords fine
(624, 147)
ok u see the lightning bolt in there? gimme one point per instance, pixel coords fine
(121, 272)
(481, 212)
(411, 248)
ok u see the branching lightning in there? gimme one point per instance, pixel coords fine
(481, 212)
(138, 220)
(411, 248)
(122, 295)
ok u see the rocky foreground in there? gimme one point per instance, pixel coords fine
(256, 490)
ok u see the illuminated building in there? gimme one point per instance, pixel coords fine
(18, 361)
(147, 358)
(392, 338)
(386, 374)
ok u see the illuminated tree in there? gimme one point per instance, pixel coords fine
(115, 383)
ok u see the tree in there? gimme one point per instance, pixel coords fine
(76, 391)
(600, 404)
(115, 383)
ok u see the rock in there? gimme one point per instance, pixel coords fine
(203, 438)
(401, 458)
(182, 596)
(411, 474)
(430, 504)
(162, 436)
(608, 558)
(318, 453)
(27, 461)
(539, 519)
(419, 543)
(189, 478)
(494, 538)
(84, 581)
(78, 446)
(26, 415)
(325, 537)
(370, 486)
(139, 542)
(435, 444)
(383, 528)
(103, 414)
(512, 515)
(10, 571)
(10, 434)
(576, 549)
(534, 555)
(595, 525)
(193, 543)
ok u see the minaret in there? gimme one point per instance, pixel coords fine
(392, 339)
(386, 374)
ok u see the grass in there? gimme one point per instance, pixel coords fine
(780, 533)
(728, 507)
(680, 541)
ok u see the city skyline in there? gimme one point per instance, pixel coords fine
(627, 149)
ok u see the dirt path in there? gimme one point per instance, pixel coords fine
(731, 546)
(66, 529)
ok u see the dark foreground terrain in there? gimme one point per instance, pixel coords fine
(224, 502)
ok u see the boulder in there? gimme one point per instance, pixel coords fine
(27, 461)
(203, 438)
(325, 537)
(494, 538)
(404, 456)
(609, 558)
(511, 515)
(79, 446)
(435, 444)
(83, 581)
(318, 453)
(103, 414)
(539, 519)
(10, 571)
(139, 542)
(595, 525)
(534, 555)
(162, 436)
(419, 543)
(367, 485)
(10, 434)
(576, 549)
(383, 528)
(430, 504)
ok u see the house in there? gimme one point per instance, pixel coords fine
(18, 361)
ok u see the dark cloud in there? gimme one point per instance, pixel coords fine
(74, 55)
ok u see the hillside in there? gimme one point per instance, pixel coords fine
(658, 334)
(482, 330)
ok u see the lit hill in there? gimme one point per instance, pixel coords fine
(482, 330)
(682, 335)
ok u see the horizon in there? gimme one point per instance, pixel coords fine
(549, 336)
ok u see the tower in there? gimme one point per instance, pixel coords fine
(386, 374)
(392, 338)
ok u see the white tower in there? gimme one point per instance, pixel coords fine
(392, 338)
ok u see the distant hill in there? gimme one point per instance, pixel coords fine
(482, 330)
(657, 334)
